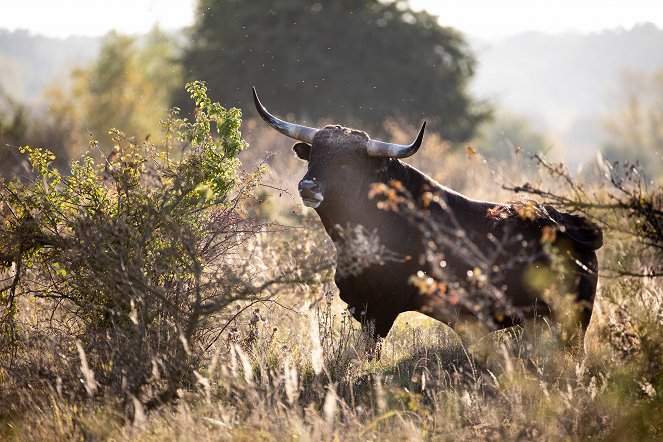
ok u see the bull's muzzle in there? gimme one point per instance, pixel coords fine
(311, 193)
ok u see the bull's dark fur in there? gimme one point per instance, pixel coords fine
(338, 163)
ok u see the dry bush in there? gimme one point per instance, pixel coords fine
(118, 278)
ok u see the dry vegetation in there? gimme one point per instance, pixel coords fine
(283, 359)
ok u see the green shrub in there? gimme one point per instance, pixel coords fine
(130, 256)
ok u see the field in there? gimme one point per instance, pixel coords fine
(223, 323)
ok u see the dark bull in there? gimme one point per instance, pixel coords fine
(444, 234)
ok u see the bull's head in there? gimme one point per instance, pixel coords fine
(334, 152)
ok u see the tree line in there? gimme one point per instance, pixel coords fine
(354, 62)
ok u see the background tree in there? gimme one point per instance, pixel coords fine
(506, 132)
(18, 127)
(130, 85)
(356, 61)
(634, 124)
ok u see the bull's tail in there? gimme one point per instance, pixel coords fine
(586, 282)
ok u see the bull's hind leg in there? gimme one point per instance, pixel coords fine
(585, 288)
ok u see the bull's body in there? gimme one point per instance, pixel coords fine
(338, 182)
(383, 290)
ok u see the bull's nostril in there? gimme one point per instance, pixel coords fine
(309, 185)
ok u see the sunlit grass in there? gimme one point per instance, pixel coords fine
(429, 383)
(298, 368)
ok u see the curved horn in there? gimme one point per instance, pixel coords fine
(388, 150)
(301, 133)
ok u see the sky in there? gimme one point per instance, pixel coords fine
(488, 19)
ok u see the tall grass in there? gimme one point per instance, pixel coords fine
(296, 366)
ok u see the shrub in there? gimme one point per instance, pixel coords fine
(130, 257)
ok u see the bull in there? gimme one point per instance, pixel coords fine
(452, 257)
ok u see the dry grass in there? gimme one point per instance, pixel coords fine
(302, 372)
(522, 384)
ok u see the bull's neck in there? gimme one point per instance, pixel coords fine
(356, 208)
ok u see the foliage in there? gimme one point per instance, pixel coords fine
(13, 127)
(18, 126)
(358, 60)
(131, 256)
(634, 123)
(499, 137)
(130, 86)
(12, 118)
(28, 61)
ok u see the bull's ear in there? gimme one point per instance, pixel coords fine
(303, 150)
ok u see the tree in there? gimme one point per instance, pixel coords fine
(130, 85)
(18, 127)
(507, 132)
(359, 61)
(634, 125)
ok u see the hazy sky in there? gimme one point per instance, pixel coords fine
(488, 18)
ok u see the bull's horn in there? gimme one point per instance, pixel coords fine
(301, 133)
(388, 150)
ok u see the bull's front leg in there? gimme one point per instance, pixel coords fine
(375, 328)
